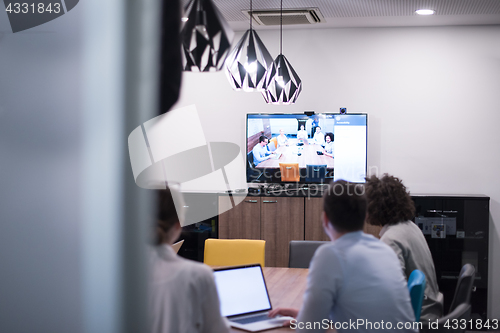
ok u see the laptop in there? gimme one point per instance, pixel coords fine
(244, 299)
(177, 246)
(276, 156)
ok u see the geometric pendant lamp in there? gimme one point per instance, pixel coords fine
(206, 37)
(283, 83)
(247, 64)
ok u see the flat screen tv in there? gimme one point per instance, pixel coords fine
(297, 148)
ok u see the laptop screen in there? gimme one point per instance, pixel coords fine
(241, 290)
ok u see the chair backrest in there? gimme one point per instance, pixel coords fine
(316, 173)
(233, 252)
(416, 287)
(290, 172)
(271, 142)
(464, 286)
(301, 253)
(250, 159)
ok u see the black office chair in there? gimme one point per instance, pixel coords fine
(253, 174)
(301, 253)
(455, 320)
(464, 286)
(315, 173)
(460, 306)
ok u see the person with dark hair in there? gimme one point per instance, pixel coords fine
(260, 152)
(355, 277)
(314, 124)
(391, 207)
(328, 151)
(183, 297)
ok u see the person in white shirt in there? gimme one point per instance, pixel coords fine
(328, 151)
(302, 134)
(319, 137)
(282, 139)
(182, 296)
(354, 279)
(260, 151)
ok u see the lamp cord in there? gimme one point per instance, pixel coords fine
(281, 28)
(251, 15)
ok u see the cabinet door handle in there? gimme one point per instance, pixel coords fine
(434, 211)
(251, 201)
(450, 211)
(269, 201)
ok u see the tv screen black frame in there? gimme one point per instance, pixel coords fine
(269, 175)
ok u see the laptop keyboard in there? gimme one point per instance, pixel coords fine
(251, 319)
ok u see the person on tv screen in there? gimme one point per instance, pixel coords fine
(282, 139)
(260, 152)
(390, 206)
(183, 297)
(319, 137)
(328, 151)
(314, 124)
(353, 277)
(302, 134)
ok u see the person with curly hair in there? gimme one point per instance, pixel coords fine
(391, 207)
(329, 148)
(183, 297)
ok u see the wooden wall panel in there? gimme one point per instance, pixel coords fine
(252, 141)
(267, 127)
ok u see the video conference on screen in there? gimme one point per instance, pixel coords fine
(306, 149)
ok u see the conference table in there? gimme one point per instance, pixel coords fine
(286, 288)
(290, 154)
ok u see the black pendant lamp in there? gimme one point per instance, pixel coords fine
(247, 64)
(206, 37)
(283, 83)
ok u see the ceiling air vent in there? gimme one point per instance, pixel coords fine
(290, 16)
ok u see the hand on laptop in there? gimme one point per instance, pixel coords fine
(284, 312)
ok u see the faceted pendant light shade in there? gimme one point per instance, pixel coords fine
(206, 37)
(247, 64)
(283, 83)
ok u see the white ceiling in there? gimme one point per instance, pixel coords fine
(370, 13)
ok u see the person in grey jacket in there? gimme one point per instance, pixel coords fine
(390, 206)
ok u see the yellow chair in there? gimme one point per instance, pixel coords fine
(233, 252)
(290, 172)
(275, 140)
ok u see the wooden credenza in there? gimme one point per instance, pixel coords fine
(277, 220)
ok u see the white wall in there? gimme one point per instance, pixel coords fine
(431, 94)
